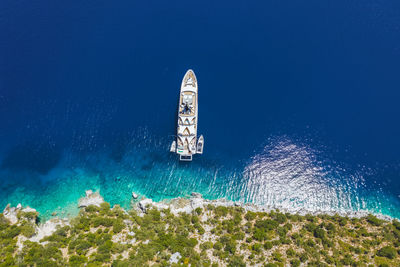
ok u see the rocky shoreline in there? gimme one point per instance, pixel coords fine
(175, 205)
(194, 231)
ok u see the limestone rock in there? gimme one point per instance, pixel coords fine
(28, 209)
(196, 203)
(175, 258)
(143, 204)
(10, 213)
(48, 228)
(91, 199)
(178, 205)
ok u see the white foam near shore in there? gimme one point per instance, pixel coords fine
(176, 206)
(196, 200)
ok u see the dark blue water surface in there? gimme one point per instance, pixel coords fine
(298, 102)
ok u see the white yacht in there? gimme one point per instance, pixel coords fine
(187, 144)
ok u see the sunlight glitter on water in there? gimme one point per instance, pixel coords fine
(285, 175)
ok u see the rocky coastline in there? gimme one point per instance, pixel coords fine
(204, 219)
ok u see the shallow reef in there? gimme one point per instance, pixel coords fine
(194, 232)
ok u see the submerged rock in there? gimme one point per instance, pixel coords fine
(91, 199)
(196, 195)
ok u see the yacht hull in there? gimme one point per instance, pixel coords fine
(186, 137)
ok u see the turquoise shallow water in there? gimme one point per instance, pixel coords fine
(283, 174)
(298, 102)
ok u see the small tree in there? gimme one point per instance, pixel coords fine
(388, 252)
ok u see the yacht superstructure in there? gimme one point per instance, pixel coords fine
(187, 144)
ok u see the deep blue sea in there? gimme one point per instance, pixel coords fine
(298, 102)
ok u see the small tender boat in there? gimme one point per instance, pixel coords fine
(200, 144)
(186, 143)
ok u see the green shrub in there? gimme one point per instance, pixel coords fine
(290, 252)
(268, 245)
(330, 227)
(319, 233)
(76, 260)
(31, 215)
(118, 248)
(310, 243)
(10, 232)
(200, 229)
(124, 263)
(118, 225)
(230, 246)
(310, 218)
(303, 257)
(257, 247)
(280, 218)
(103, 221)
(310, 227)
(250, 216)
(284, 240)
(259, 234)
(342, 221)
(276, 242)
(217, 245)
(92, 209)
(396, 224)
(236, 261)
(295, 263)
(281, 231)
(266, 224)
(105, 207)
(82, 246)
(27, 229)
(206, 245)
(277, 256)
(199, 211)
(374, 220)
(210, 207)
(238, 235)
(388, 252)
(221, 211)
(347, 260)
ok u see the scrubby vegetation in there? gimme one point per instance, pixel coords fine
(213, 236)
